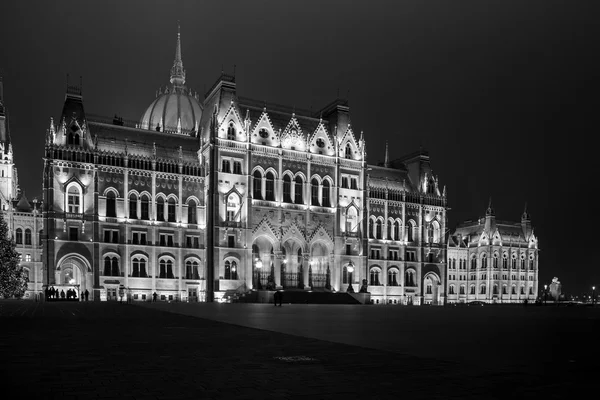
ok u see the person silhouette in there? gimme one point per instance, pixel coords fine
(62, 294)
(87, 295)
(154, 295)
(81, 296)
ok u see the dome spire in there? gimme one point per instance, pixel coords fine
(177, 71)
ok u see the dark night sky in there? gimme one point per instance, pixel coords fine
(494, 90)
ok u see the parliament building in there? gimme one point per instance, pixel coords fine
(205, 197)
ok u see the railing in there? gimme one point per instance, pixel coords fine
(290, 280)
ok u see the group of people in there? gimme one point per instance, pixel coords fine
(53, 294)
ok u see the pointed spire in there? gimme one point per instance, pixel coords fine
(525, 215)
(386, 163)
(490, 210)
(177, 71)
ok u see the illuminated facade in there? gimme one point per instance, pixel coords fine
(493, 261)
(203, 198)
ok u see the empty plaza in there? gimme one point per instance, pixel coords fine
(209, 350)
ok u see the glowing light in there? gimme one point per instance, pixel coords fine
(259, 264)
(72, 281)
(350, 268)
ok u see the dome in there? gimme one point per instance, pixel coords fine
(173, 112)
(176, 110)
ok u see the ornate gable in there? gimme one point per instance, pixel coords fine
(497, 238)
(348, 138)
(232, 116)
(320, 142)
(265, 228)
(320, 233)
(292, 137)
(264, 131)
(294, 232)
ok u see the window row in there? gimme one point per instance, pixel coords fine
(27, 241)
(394, 229)
(139, 268)
(483, 289)
(263, 188)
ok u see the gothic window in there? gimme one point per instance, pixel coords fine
(473, 262)
(191, 270)
(482, 289)
(484, 260)
(451, 289)
(513, 262)
(270, 186)
(160, 209)
(531, 264)
(171, 210)
(378, 229)
(298, 191)
(430, 233)
(348, 153)
(504, 261)
(392, 277)
(472, 289)
(314, 192)
(233, 208)
(192, 212)
(431, 187)
(504, 289)
(27, 236)
(409, 278)
(287, 189)
(132, 206)
(495, 290)
(429, 287)
(344, 182)
(231, 131)
(257, 185)
(145, 208)
(371, 229)
(166, 269)
(514, 290)
(139, 268)
(462, 289)
(495, 261)
(326, 194)
(111, 266)
(19, 236)
(390, 225)
(351, 220)
(522, 263)
(410, 231)
(522, 290)
(320, 143)
(73, 197)
(263, 133)
(397, 230)
(231, 270)
(111, 204)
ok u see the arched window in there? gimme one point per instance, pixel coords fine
(231, 131)
(451, 289)
(409, 278)
(166, 269)
(28, 237)
(26, 273)
(428, 286)
(513, 262)
(531, 264)
(115, 266)
(171, 210)
(523, 262)
(231, 270)
(410, 232)
(482, 289)
(314, 192)
(390, 226)
(138, 268)
(133, 206)
(192, 212)
(351, 220)
(473, 262)
(257, 185)
(191, 270)
(73, 203)
(348, 153)
(145, 203)
(504, 261)
(374, 275)
(287, 189)
(397, 230)
(19, 236)
(431, 187)
(378, 229)
(163, 269)
(514, 289)
(160, 209)
(326, 193)
(430, 233)
(462, 289)
(495, 261)
(371, 228)
(504, 289)
(495, 289)
(392, 277)
(233, 208)
(111, 204)
(347, 277)
(298, 198)
(107, 266)
(472, 289)
(270, 186)
(484, 260)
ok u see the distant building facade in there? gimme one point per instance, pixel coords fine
(493, 261)
(202, 198)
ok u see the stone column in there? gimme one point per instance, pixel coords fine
(305, 271)
(277, 262)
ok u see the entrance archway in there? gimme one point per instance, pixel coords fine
(431, 289)
(74, 271)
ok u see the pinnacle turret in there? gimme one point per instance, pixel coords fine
(177, 71)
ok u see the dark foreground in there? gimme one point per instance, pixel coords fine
(111, 350)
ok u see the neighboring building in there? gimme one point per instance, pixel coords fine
(24, 218)
(493, 261)
(201, 198)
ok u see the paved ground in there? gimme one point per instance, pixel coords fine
(103, 350)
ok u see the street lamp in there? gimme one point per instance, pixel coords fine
(258, 265)
(545, 293)
(593, 295)
(350, 269)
